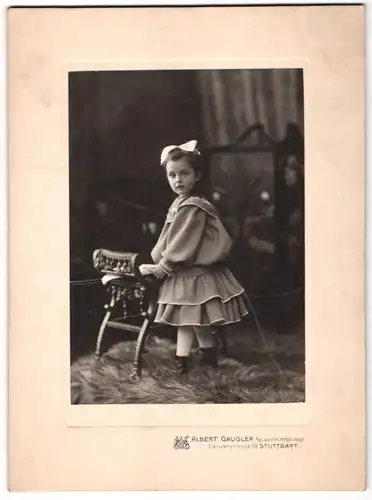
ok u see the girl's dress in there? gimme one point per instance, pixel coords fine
(198, 289)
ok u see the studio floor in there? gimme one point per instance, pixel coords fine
(259, 367)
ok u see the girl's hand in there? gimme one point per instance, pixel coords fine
(146, 269)
(158, 272)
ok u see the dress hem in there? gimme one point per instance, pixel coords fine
(215, 322)
(203, 302)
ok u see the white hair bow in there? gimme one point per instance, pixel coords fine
(189, 146)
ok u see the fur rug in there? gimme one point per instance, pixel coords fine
(110, 380)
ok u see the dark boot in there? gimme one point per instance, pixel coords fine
(181, 365)
(209, 356)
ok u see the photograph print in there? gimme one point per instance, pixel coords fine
(187, 220)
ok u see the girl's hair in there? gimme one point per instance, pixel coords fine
(198, 164)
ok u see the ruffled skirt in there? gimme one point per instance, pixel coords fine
(201, 297)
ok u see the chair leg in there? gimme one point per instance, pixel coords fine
(103, 326)
(141, 339)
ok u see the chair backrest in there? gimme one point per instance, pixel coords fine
(124, 265)
(107, 261)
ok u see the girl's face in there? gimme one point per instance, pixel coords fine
(181, 176)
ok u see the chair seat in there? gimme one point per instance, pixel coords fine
(123, 282)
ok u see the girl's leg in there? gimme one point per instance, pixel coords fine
(185, 337)
(207, 345)
(205, 336)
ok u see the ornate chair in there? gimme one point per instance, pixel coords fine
(132, 296)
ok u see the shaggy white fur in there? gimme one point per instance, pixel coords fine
(110, 381)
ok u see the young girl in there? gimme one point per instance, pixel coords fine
(197, 291)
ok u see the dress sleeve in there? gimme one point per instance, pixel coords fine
(184, 237)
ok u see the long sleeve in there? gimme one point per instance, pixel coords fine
(183, 238)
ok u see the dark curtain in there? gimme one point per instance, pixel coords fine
(232, 100)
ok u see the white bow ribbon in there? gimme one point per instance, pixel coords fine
(189, 146)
